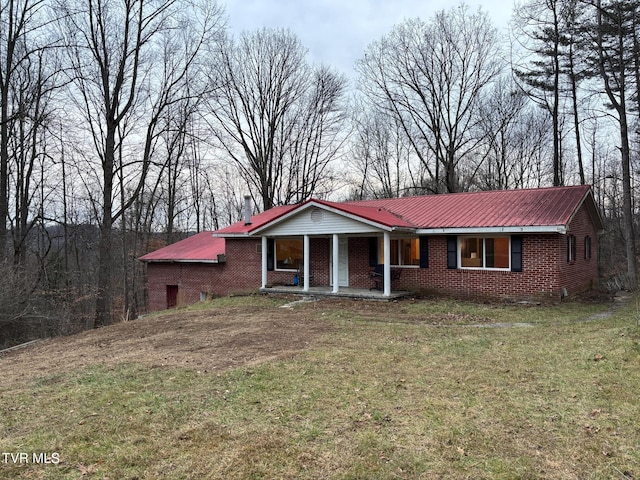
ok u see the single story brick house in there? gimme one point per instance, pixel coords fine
(511, 244)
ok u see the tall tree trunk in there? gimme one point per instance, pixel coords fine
(618, 69)
(4, 148)
(557, 155)
(103, 301)
(576, 119)
(630, 239)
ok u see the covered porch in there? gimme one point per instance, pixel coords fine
(286, 250)
(291, 255)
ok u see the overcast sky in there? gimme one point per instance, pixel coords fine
(337, 32)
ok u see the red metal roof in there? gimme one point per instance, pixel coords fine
(553, 206)
(543, 207)
(201, 247)
(496, 208)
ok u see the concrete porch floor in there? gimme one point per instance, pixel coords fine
(344, 292)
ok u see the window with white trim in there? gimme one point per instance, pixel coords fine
(485, 252)
(404, 251)
(288, 253)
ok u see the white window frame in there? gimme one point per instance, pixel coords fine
(484, 252)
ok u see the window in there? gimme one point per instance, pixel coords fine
(404, 251)
(485, 252)
(288, 254)
(571, 248)
(587, 247)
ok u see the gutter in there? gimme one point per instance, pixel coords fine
(180, 261)
(561, 229)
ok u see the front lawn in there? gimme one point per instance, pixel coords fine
(408, 389)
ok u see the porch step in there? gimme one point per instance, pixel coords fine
(344, 292)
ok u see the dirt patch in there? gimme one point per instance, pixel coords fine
(206, 340)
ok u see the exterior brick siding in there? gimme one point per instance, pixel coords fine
(240, 273)
(582, 273)
(545, 274)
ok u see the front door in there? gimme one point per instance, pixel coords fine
(172, 296)
(343, 263)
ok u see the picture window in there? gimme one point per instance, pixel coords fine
(288, 254)
(485, 252)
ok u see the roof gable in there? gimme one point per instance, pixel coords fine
(323, 217)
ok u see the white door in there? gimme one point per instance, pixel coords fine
(343, 263)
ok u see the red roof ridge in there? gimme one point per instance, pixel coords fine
(257, 221)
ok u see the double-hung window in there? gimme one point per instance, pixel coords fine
(587, 248)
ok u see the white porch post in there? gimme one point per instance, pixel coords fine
(336, 272)
(306, 263)
(264, 262)
(387, 264)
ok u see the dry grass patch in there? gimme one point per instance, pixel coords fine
(400, 390)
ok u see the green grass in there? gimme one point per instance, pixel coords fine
(374, 399)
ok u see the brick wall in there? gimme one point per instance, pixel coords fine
(319, 249)
(240, 273)
(545, 268)
(539, 277)
(582, 273)
(359, 263)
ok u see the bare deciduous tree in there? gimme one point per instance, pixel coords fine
(316, 138)
(23, 74)
(614, 43)
(382, 155)
(278, 118)
(500, 113)
(122, 92)
(430, 77)
(517, 134)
